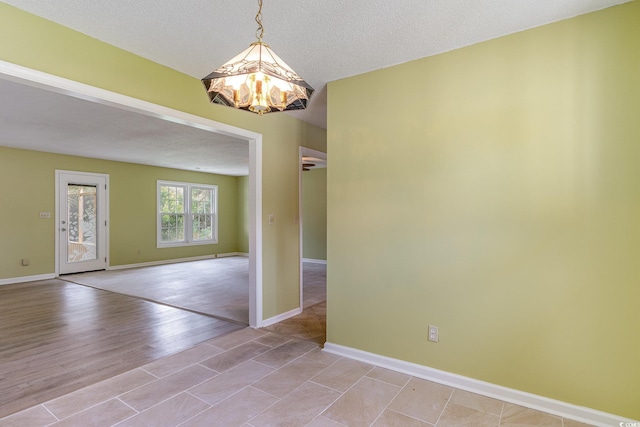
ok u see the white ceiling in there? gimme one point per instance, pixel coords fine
(321, 40)
(36, 119)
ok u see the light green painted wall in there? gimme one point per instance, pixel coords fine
(243, 214)
(48, 47)
(495, 192)
(314, 214)
(28, 187)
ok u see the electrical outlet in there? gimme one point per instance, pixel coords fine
(45, 215)
(433, 333)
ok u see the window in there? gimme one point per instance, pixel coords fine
(187, 214)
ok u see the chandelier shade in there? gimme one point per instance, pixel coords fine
(257, 80)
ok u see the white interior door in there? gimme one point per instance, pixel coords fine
(82, 221)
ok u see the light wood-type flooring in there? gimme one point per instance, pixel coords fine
(57, 336)
(248, 377)
(217, 287)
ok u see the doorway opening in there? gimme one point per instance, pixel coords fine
(48, 82)
(82, 232)
(313, 226)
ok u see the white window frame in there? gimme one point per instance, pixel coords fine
(188, 223)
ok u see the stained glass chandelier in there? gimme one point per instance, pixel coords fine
(257, 80)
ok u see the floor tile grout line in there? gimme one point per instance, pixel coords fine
(265, 409)
(501, 412)
(150, 373)
(195, 415)
(111, 397)
(125, 403)
(400, 388)
(52, 414)
(186, 390)
(444, 408)
(386, 382)
(342, 393)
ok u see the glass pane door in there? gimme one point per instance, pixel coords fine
(82, 215)
(82, 223)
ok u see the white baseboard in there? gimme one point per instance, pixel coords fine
(540, 403)
(243, 254)
(175, 261)
(315, 261)
(25, 279)
(280, 317)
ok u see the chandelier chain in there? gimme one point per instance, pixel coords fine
(260, 30)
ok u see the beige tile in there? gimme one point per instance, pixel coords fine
(290, 377)
(234, 339)
(235, 410)
(477, 402)
(362, 403)
(106, 414)
(323, 356)
(159, 390)
(342, 374)
(389, 376)
(572, 423)
(34, 417)
(273, 340)
(298, 408)
(87, 397)
(230, 358)
(285, 353)
(391, 418)
(514, 415)
(324, 422)
(224, 385)
(421, 399)
(170, 364)
(169, 413)
(461, 416)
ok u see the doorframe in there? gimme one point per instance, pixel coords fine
(304, 151)
(39, 79)
(58, 212)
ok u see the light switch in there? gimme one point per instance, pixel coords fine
(272, 219)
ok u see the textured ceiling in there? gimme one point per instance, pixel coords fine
(321, 40)
(36, 119)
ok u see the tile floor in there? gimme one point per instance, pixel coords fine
(262, 378)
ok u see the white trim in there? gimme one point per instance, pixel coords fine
(57, 84)
(25, 279)
(173, 261)
(228, 254)
(103, 212)
(255, 232)
(315, 261)
(540, 403)
(188, 188)
(280, 317)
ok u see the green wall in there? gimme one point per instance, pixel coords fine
(27, 187)
(314, 214)
(243, 214)
(45, 46)
(495, 193)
